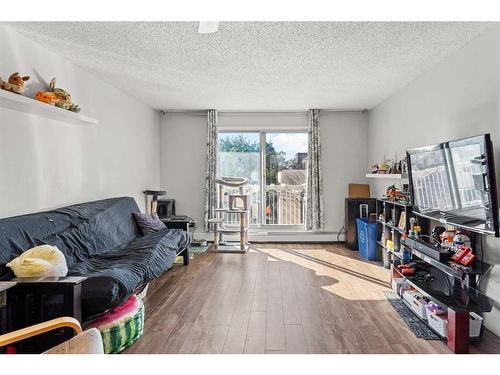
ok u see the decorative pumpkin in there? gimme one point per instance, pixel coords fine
(63, 98)
(15, 83)
(46, 97)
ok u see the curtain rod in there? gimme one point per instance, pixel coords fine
(202, 111)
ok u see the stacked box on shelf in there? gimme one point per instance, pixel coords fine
(439, 322)
(400, 285)
(416, 302)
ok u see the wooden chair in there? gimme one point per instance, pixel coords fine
(88, 342)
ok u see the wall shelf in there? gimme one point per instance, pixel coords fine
(387, 176)
(31, 106)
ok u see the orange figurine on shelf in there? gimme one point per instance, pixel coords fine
(46, 97)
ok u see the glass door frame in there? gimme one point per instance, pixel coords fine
(263, 150)
(237, 131)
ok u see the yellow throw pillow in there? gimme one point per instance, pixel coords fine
(40, 261)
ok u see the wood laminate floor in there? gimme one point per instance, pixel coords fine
(279, 298)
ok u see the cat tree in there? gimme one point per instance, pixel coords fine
(237, 204)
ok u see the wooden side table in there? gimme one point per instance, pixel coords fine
(183, 223)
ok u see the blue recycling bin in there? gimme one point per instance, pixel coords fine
(367, 239)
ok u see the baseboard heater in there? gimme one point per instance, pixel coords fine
(274, 233)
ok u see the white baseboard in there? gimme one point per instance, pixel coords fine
(279, 236)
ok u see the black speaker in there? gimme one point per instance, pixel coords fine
(165, 208)
(355, 208)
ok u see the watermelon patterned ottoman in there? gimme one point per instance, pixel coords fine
(121, 326)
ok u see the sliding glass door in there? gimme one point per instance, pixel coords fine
(239, 156)
(285, 179)
(275, 164)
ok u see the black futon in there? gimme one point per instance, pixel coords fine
(100, 241)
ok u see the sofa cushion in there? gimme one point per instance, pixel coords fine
(149, 223)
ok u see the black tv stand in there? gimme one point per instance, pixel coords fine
(452, 286)
(455, 297)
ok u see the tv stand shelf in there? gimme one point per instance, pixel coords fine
(456, 296)
(457, 299)
(477, 268)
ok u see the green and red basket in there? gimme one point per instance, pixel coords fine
(121, 326)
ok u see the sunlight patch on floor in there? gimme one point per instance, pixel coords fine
(351, 277)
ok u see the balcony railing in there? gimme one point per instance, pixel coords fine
(285, 204)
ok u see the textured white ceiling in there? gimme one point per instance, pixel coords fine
(256, 65)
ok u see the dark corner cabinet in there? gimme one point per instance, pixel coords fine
(352, 212)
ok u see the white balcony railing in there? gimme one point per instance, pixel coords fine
(284, 205)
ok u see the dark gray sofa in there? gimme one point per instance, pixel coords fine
(100, 241)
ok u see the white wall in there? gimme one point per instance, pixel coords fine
(344, 142)
(46, 163)
(183, 143)
(183, 158)
(458, 98)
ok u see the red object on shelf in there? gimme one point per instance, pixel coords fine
(468, 259)
(408, 271)
(461, 253)
(402, 266)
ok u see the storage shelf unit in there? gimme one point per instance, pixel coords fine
(388, 217)
(391, 227)
(27, 105)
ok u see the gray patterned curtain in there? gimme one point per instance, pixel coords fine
(211, 171)
(315, 219)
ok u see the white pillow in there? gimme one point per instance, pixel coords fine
(40, 261)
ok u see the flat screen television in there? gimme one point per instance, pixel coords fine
(454, 182)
